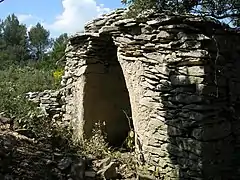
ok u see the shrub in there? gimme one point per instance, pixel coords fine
(96, 146)
(15, 82)
(58, 75)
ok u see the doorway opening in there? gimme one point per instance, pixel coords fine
(106, 97)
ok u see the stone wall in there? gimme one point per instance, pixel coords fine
(177, 77)
(51, 104)
(94, 69)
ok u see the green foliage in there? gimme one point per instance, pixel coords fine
(15, 82)
(59, 46)
(28, 63)
(14, 33)
(21, 73)
(39, 40)
(219, 9)
(96, 146)
(58, 75)
(13, 42)
(17, 47)
(137, 6)
(129, 142)
(57, 54)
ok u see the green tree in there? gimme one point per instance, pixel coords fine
(2, 42)
(39, 41)
(55, 57)
(59, 47)
(219, 9)
(13, 41)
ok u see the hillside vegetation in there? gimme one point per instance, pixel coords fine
(28, 63)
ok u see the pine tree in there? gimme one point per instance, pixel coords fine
(39, 41)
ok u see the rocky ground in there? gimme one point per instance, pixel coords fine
(23, 157)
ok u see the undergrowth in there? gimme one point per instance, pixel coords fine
(15, 82)
(97, 147)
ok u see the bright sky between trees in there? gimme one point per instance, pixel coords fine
(58, 16)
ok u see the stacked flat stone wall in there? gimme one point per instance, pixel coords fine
(94, 68)
(51, 104)
(178, 80)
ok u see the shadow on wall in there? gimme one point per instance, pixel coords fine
(202, 113)
(106, 98)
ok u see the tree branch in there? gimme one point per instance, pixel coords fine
(233, 15)
(212, 14)
(1, 1)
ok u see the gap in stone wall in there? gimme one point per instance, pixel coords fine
(106, 97)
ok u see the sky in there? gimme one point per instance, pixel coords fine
(58, 16)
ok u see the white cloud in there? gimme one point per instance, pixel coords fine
(29, 19)
(75, 14)
(24, 17)
(29, 27)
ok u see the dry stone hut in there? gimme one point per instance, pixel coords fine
(176, 77)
